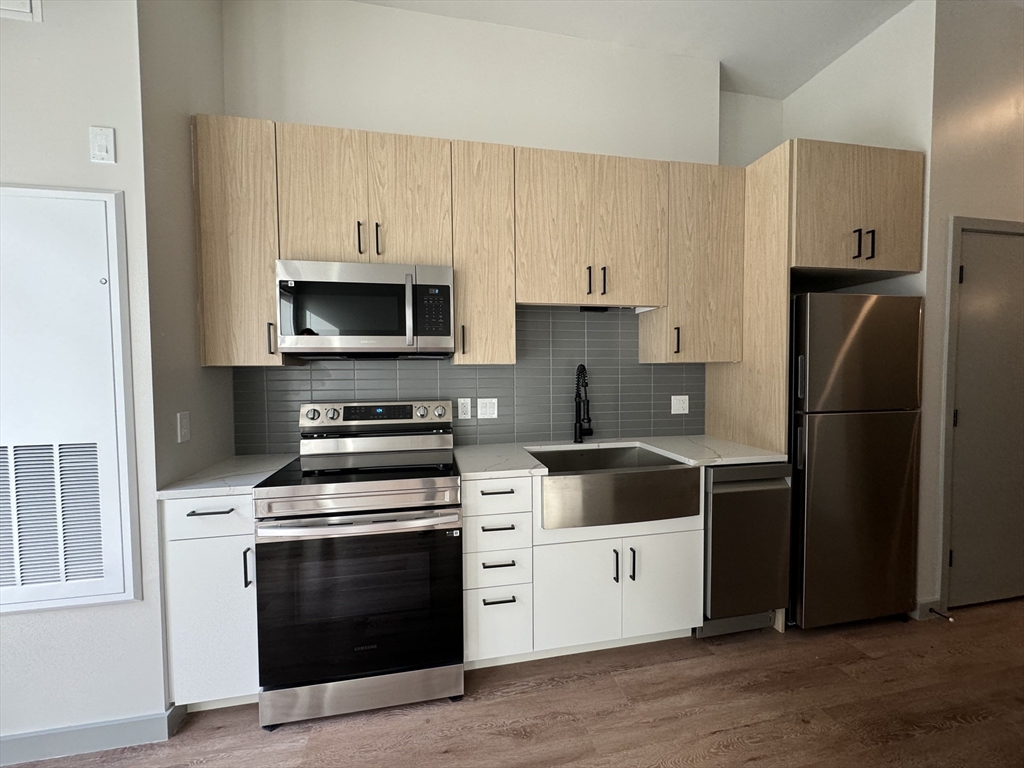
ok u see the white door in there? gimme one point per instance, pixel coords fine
(577, 593)
(662, 586)
(211, 618)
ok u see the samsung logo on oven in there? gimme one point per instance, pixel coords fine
(365, 647)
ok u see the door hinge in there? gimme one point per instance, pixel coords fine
(951, 558)
(961, 273)
(956, 416)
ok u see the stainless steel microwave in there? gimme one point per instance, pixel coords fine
(330, 309)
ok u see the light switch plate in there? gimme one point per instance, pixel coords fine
(101, 144)
(487, 408)
(680, 403)
(465, 407)
(184, 427)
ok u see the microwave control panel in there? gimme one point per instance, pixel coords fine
(433, 310)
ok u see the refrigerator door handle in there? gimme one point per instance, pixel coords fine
(800, 449)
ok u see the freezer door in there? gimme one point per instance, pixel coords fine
(859, 475)
(857, 353)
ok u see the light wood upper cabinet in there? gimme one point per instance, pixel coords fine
(554, 208)
(410, 196)
(857, 207)
(703, 321)
(483, 240)
(236, 217)
(321, 182)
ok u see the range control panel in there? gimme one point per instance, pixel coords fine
(335, 414)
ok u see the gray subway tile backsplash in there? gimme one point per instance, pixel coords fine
(535, 396)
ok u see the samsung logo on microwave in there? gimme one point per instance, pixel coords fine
(365, 647)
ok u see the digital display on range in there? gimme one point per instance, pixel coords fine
(371, 412)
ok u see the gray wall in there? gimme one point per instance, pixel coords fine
(535, 396)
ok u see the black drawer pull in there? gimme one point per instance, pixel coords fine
(498, 493)
(860, 242)
(632, 567)
(463, 339)
(246, 581)
(376, 235)
(604, 280)
(503, 601)
(494, 528)
(677, 340)
(194, 513)
(359, 237)
(590, 280)
(488, 566)
(616, 577)
(872, 233)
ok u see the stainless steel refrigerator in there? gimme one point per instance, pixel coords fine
(855, 440)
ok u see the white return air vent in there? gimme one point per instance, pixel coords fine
(66, 468)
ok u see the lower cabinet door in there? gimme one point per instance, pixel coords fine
(498, 621)
(577, 591)
(210, 603)
(663, 583)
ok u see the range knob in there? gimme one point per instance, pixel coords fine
(333, 413)
(312, 414)
(421, 412)
(439, 411)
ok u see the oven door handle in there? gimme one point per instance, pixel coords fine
(275, 531)
(409, 337)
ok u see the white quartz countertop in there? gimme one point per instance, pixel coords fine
(512, 459)
(235, 475)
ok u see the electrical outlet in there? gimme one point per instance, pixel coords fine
(680, 403)
(465, 407)
(184, 428)
(487, 408)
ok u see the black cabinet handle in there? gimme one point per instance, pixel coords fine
(494, 528)
(860, 242)
(376, 235)
(195, 513)
(503, 601)
(590, 280)
(270, 338)
(488, 566)
(604, 280)
(359, 237)
(246, 581)
(463, 339)
(509, 492)
(632, 564)
(677, 340)
(616, 577)
(872, 233)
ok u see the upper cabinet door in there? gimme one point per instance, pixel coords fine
(321, 183)
(484, 257)
(857, 207)
(236, 204)
(554, 210)
(630, 253)
(410, 193)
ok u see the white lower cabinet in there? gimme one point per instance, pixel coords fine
(593, 591)
(210, 603)
(498, 621)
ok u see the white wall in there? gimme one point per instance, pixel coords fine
(182, 71)
(382, 69)
(749, 126)
(80, 68)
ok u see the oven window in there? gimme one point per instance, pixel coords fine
(341, 309)
(337, 608)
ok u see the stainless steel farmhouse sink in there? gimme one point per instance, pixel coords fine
(610, 486)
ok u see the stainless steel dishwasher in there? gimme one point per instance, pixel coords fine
(747, 535)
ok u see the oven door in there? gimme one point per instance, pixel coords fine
(334, 308)
(350, 597)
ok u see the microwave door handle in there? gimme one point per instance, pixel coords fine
(409, 338)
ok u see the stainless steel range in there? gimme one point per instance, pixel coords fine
(359, 563)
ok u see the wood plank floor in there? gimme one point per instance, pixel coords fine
(885, 693)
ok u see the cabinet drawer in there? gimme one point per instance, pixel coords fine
(493, 532)
(497, 497)
(497, 568)
(204, 517)
(499, 621)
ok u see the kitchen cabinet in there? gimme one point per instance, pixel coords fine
(592, 591)
(483, 253)
(590, 229)
(856, 207)
(498, 621)
(237, 239)
(210, 605)
(410, 199)
(322, 190)
(703, 320)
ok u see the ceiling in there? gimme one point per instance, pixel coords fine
(766, 47)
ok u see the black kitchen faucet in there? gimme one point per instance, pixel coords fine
(582, 426)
